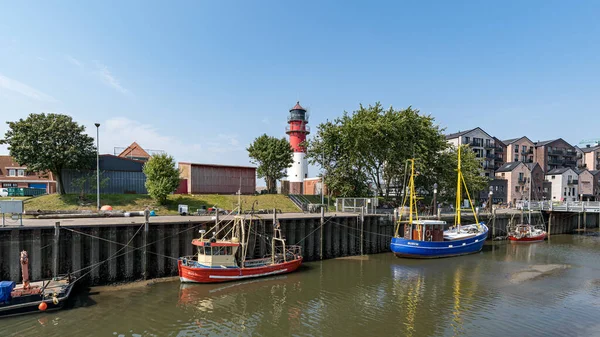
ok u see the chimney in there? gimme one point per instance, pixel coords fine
(587, 145)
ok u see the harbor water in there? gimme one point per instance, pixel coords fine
(544, 289)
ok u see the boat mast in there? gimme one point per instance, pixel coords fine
(410, 187)
(529, 201)
(458, 193)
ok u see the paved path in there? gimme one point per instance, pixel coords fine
(167, 219)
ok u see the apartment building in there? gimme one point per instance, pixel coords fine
(519, 178)
(589, 157)
(519, 149)
(499, 153)
(554, 154)
(482, 144)
(565, 184)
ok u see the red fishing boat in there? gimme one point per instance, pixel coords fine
(527, 233)
(221, 260)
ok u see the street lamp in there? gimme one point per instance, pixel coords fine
(490, 197)
(435, 186)
(98, 165)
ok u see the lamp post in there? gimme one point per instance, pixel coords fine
(490, 197)
(98, 165)
(435, 186)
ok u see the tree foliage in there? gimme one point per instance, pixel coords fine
(88, 178)
(162, 177)
(273, 156)
(471, 169)
(366, 152)
(49, 143)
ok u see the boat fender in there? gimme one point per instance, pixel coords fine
(213, 240)
(428, 233)
(55, 300)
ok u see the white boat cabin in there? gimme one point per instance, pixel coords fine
(217, 253)
(425, 230)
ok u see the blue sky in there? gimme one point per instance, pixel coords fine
(202, 79)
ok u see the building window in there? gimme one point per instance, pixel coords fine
(21, 173)
(552, 177)
(12, 173)
(516, 188)
(502, 174)
(467, 140)
(9, 184)
(517, 148)
(524, 148)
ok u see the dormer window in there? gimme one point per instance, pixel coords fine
(12, 173)
(21, 173)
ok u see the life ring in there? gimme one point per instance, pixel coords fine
(428, 233)
(55, 300)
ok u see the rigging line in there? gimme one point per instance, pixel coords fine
(309, 234)
(368, 232)
(99, 263)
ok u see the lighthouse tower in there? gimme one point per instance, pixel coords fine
(297, 129)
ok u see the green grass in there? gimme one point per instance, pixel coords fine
(138, 202)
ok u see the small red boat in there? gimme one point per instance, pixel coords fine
(221, 260)
(527, 234)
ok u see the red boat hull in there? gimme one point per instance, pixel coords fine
(216, 275)
(538, 238)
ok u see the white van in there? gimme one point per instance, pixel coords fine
(3, 192)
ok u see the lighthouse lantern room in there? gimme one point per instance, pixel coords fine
(297, 129)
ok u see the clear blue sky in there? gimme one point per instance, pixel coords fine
(202, 79)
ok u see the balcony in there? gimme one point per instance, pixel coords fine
(573, 182)
(476, 144)
(297, 128)
(501, 149)
(522, 180)
(570, 162)
(571, 153)
(498, 157)
(556, 152)
(490, 146)
(555, 161)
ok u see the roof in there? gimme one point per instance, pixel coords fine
(134, 150)
(7, 162)
(546, 142)
(460, 133)
(589, 149)
(559, 170)
(532, 166)
(508, 167)
(297, 107)
(510, 141)
(218, 165)
(499, 141)
(595, 172)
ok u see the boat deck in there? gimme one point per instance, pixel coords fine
(47, 288)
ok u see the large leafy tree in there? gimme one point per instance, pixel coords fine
(273, 156)
(367, 150)
(49, 143)
(471, 169)
(162, 177)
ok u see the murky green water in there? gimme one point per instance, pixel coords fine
(499, 292)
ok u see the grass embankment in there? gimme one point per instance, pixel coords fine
(138, 202)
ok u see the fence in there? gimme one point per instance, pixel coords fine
(569, 206)
(354, 205)
(119, 182)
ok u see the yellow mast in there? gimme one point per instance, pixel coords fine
(460, 183)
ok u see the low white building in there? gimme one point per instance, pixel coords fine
(565, 184)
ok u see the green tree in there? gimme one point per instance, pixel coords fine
(371, 146)
(471, 168)
(88, 178)
(49, 143)
(273, 156)
(162, 177)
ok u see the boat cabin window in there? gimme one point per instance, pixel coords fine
(214, 250)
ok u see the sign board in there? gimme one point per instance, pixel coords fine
(11, 206)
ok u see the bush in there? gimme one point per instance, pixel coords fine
(162, 177)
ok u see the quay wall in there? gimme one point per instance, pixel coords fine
(105, 254)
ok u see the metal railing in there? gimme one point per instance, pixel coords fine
(554, 206)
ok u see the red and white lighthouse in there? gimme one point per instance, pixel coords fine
(297, 129)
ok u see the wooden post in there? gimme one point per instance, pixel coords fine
(584, 220)
(145, 243)
(362, 227)
(216, 230)
(549, 225)
(578, 222)
(321, 236)
(55, 249)
(493, 223)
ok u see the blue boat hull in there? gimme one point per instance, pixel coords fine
(428, 249)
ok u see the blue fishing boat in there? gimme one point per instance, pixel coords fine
(429, 238)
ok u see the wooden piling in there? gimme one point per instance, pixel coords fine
(321, 232)
(56, 249)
